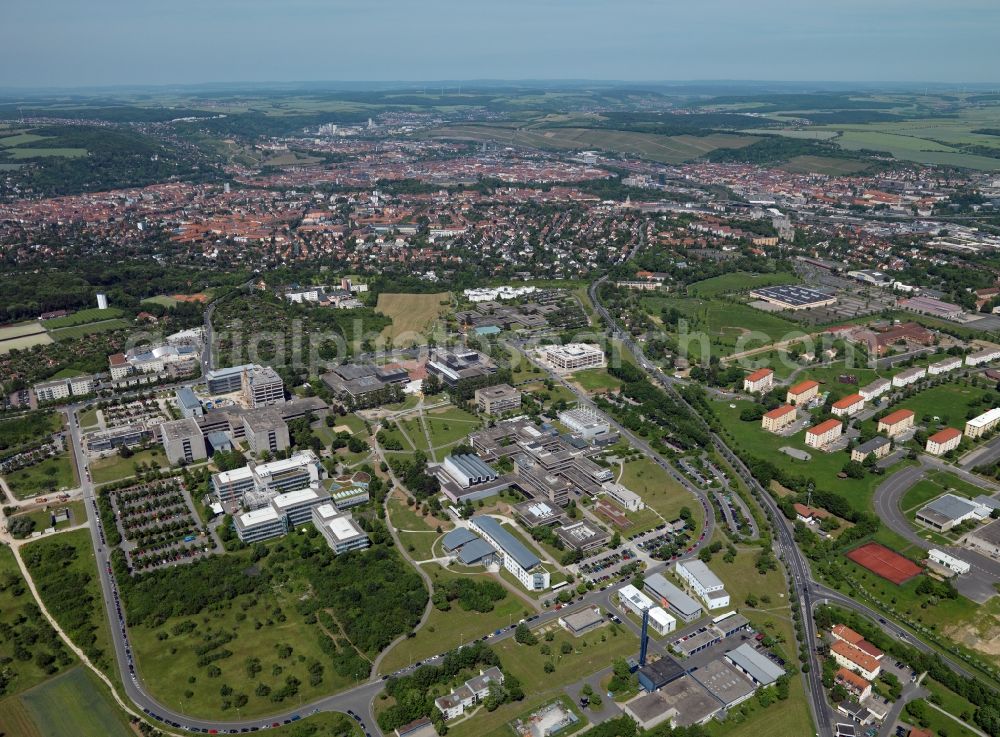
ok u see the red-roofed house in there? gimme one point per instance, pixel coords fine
(802, 392)
(896, 422)
(854, 683)
(821, 435)
(849, 405)
(944, 440)
(778, 418)
(761, 380)
(852, 658)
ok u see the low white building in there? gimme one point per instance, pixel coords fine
(634, 600)
(984, 356)
(629, 500)
(339, 529)
(706, 585)
(660, 621)
(876, 389)
(948, 561)
(574, 356)
(942, 367)
(909, 376)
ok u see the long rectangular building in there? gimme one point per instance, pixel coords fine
(517, 559)
(705, 584)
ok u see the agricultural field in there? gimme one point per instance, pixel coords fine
(82, 317)
(23, 335)
(412, 315)
(75, 704)
(116, 468)
(825, 165)
(81, 331)
(665, 149)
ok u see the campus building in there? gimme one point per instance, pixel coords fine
(984, 423)
(628, 500)
(468, 470)
(848, 406)
(454, 366)
(950, 562)
(585, 422)
(794, 297)
(943, 441)
(574, 356)
(672, 598)
(706, 585)
(498, 400)
(339, 529)
(778, 418)
(516, 558)
(266, 430)
(297, 472)
(760, 381)
(262, 387)
(946, 512)
(183, 441)
(821, 435)
(283, 513)
(896, 423)
(77, 386)
(803, 392)
(944, 366)
(363, 384)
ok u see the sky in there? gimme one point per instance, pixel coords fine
(80, 43)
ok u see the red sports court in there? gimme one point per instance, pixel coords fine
(885, 563)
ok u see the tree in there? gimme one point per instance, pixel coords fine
(524, 636)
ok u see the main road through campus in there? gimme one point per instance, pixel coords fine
(809, 592)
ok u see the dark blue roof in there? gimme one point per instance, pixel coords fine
(507, 542)
(475, 551)
(457, 538)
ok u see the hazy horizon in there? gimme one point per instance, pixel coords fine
(111, 43)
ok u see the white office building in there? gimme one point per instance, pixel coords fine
(634, 600)
(629, 500)
(297, 472)
(660, 621)
(706, 585)
(339, 529)
(585, 422)
(574, 356)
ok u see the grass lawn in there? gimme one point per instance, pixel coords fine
(659, 490)
(88, 418)
(822, 468)
(950, 403)
(75, 704)
(409, 402)
(116, 468)
(934, 485)
(352, 422)
(739, 281)
(449, 426)
(412, 315)
(46, 477)
(596, 381)
(447, 630)
(497, 723)
(521, 369)
(948, 699)
(939, 724)
(592, 652)
(82, 317)
(550, 396)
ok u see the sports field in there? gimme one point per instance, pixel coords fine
(885, 563)
(82, 317)
(71, 705)
(90, 328)
(412, 316)
(23, 335)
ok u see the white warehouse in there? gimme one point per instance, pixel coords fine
(706, 585)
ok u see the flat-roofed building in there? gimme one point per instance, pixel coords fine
(225, 380)
(760, 381)
(945, 512)
(876, 389)
(944, 366)
(706, 585)
(957, 565)
(794, 297)
(986, 355)
(498, 400)
(574, 356)
(183, 441)
(756, 665)
(726, 682)
(909, 376)
(582, 621)
(778, 418)
(455, 366)
(534, 513)
(296, 506)
(364, 384)
(896, 423)
(585, 422)
(50, 391)
(659, 673)
(984, 423)
(262, 387)
(943, 441)
(878, 446)
(660, 621)
(672, 598)
(298, 472)
(634, 600)
(802, 393)
(583, 535)
(339, 529)
(516, 558)
(848, 406)
(629, 500)
(266, 430)
(985, 539)
(821, 435)
(258, 525)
